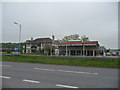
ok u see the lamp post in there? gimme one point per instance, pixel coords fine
(19, 34)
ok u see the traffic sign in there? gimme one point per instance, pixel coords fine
(16, 48)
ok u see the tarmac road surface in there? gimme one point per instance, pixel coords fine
(30, 75)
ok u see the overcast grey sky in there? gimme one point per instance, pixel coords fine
(97, 20)
(0, 22)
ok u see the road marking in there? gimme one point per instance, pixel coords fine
(66, 86)
(5, 77)
(77, 72)
(45, 69)
(32, 81)
(66, 71)
(5, 65)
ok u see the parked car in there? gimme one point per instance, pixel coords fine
(108, 54)
(114, 54)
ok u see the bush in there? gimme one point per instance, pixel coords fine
(9, 50)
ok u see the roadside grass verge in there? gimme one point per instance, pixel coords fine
(91, 62)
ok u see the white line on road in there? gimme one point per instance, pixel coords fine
(76, 72)
(66, 71)
(32, 81)
(66, 86)
(5, 77)
(45, 69)
(5, 65)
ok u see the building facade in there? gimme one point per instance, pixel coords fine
(78, 48)
(37, 45)
(69, 48)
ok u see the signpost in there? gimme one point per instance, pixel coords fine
(16, 50)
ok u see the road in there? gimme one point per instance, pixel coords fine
(29, 75)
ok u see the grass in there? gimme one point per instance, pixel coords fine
(35, 53)
(3, 52)
(92, 62)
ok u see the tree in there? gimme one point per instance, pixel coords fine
(47, 49)
(71, 37)
(27, 41)
(108, 50)
(84, 38)
(9, 45)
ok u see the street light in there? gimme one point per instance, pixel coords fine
(19, 34)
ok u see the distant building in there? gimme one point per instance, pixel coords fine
(76, 48)
(101, 50)
(114, 52)
(37, 45)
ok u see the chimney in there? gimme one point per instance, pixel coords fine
(31, 39)
(53, 37)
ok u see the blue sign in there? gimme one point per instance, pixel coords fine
(16, 49)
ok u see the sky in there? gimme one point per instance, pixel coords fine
(0, 22)
(97, 20)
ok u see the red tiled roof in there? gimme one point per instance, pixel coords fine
(79, 42)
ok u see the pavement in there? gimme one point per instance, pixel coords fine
(30, 75)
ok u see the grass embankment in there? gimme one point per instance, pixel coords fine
(93, 62)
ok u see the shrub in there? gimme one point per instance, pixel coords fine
(9, 50)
